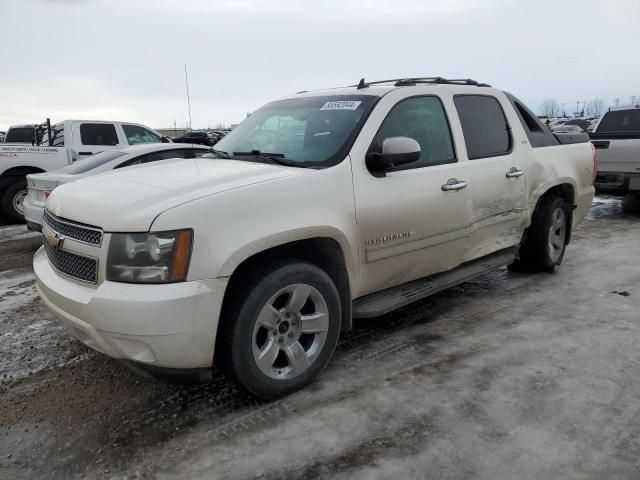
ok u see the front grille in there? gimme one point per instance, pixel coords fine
(76, 266)
(81, 233)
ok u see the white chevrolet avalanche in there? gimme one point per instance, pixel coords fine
(317, 209)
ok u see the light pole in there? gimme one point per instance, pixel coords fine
(186, 81)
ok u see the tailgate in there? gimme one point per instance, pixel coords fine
(617, 155)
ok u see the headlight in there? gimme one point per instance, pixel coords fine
(158, 257)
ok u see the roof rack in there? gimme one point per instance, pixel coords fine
(405, 82)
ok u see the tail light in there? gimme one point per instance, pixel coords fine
(48, 192)
(595, 163)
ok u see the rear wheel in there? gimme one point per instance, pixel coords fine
(12, 200)
(546, 240)
(280, 332)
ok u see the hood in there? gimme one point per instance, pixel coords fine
(130, 199)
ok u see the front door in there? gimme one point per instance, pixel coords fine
(414, 220)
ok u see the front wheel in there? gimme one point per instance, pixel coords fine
(546, 241)
(280, 332)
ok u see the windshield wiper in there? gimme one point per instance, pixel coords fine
(220, 153)
(275, 158)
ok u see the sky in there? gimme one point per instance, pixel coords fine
(125, 60)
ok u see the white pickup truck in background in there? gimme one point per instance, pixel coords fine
(57, 146)
(617, 141)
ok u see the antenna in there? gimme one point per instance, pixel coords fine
(186, 80)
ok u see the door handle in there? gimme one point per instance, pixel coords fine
(514, 172)
(454, 184)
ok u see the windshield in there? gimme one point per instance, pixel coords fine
(89, 163)
(620, 121)
(307, 132)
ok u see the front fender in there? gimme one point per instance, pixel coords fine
(259, 245)
(232, 226)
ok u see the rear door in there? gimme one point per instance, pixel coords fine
(95, 137)
(408, 225)
(494, 171)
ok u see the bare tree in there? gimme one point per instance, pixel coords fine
(550, 108)
(596, 106)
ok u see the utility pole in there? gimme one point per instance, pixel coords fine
(616, 102)
(186, 81)
(633, 99)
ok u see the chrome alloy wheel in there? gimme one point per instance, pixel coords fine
(290, 331)
(557, 234)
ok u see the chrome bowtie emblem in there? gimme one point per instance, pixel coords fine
(55, 241)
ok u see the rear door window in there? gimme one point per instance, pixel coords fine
(98, 134)
(620, 121)
(136, 134)
(485, 128)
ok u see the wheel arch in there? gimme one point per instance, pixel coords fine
(563, 189)
(8, 176)
(323, 251)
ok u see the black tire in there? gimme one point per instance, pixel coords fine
(538, 252)
(238, 335)
(7, 201)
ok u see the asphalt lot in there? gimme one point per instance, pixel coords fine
(508, 376)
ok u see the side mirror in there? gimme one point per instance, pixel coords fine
(396, 151)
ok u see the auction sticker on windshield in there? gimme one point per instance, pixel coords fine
(341, 105)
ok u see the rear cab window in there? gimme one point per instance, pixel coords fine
(539, 135)
(20, 135)
(57, 136)
(484, 126)
(620, 121)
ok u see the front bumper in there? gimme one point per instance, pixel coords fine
(170, 326)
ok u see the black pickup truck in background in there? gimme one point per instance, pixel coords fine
(617, 142)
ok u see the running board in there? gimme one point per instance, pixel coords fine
(382, 302)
